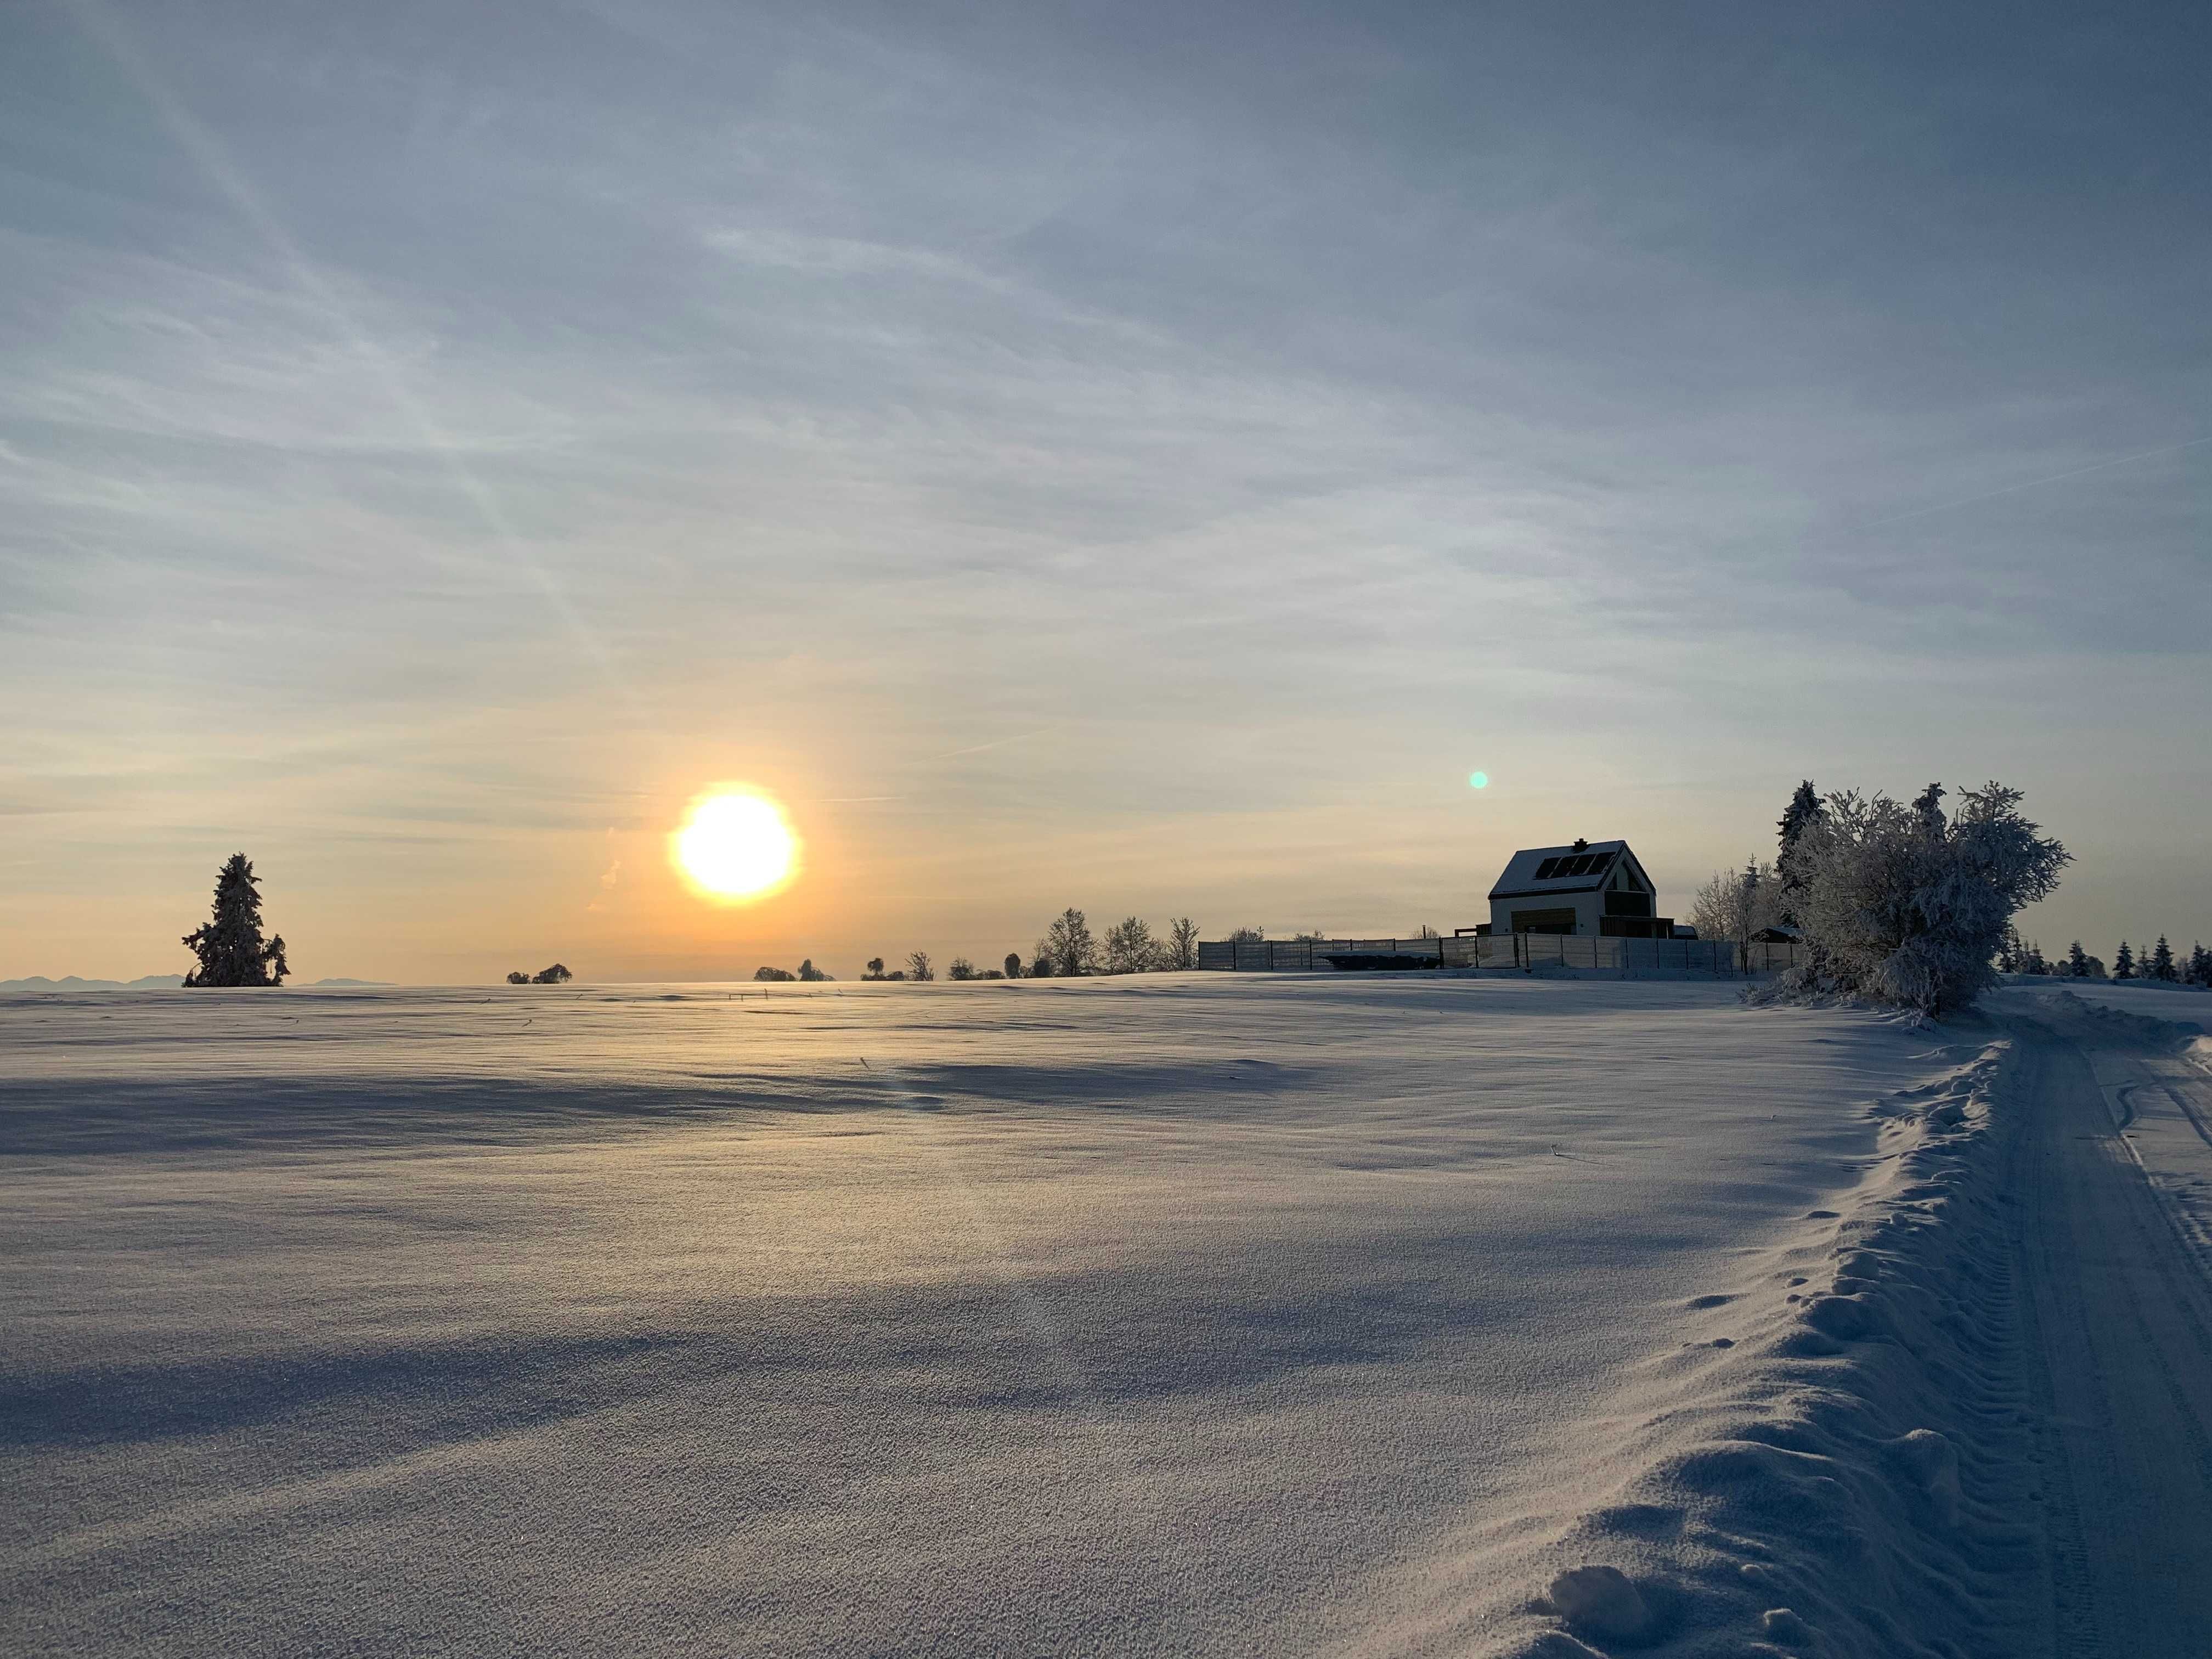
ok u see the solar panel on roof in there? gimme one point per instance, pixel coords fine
(1547, 869)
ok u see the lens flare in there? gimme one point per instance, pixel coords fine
(1478, 780)
(734, 846)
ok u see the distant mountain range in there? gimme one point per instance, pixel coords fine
(151, 982)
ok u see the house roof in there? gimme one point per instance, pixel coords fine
(1576, 869)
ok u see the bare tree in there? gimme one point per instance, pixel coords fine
(1182, 943)
(917, 966)
(1737, 904)
(1129, 946)
(1069, 945)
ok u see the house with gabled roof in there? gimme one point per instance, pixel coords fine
(1591, 889)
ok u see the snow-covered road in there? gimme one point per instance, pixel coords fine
(2113, 1175)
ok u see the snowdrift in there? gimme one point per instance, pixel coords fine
(1845, 1466)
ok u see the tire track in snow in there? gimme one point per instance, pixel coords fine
(2122, 1323)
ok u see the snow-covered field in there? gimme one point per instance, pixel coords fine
(1184, 1314)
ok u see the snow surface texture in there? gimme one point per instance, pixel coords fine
(1238, 1314)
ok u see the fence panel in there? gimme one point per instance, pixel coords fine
(1721, 958)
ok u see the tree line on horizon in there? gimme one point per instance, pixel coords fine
(1068, 949)
(2160, 964)
(1895, 902)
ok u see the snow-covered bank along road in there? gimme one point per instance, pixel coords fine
(2113, 1181)
(1179, 1315)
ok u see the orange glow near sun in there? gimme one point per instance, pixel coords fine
(734, 846)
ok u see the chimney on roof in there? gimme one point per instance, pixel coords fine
(1581, 846)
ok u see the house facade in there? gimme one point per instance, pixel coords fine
(1589, 889)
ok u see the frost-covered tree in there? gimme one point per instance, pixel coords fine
(1069, 945)
(2123, 962)
(2033, 962)
(2200, 966)
(1247, 935)
(1735, 905)
(2077, 961)
(1040, 959)
(917, 965)
(229, 946)
(1182, 943)
(2161, 965)
(1804, 807)
(1129, 946)
(960, 968)
(1013, 964)
(1905, 906)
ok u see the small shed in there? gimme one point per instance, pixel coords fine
(1589, 889)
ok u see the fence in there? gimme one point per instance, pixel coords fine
(1721, 958)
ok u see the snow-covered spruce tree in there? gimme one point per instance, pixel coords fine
(2161, 965)
(2200, 965)
(230, 948)
(2077, 961)
(1902, 906)
(1804, 807)
(2123, 962)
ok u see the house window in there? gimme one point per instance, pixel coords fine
(1628, 904)
(1543, 921)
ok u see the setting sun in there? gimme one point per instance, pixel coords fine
(735, 844)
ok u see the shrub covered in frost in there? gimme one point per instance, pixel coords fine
(1900, 905)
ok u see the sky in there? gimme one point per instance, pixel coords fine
(1134, 456)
